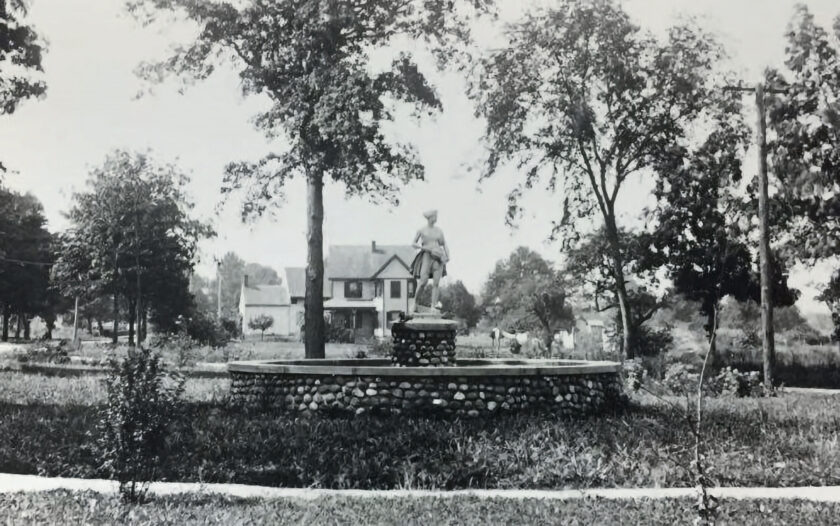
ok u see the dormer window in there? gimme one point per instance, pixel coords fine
(353, 289)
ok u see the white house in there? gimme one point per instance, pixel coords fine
(369, 286)
(273, 300)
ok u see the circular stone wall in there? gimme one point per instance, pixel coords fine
(473, 388)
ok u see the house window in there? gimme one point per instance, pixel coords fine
(377, 288)
(353, 289)
(412, 288)
(396, 289)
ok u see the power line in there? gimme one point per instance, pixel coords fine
(23, 262)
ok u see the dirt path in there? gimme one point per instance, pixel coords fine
(14, 483)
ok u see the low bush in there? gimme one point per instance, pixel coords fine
(381, 348)
(46, 353)
(142, 399)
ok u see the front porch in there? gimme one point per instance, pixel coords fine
(359, 316)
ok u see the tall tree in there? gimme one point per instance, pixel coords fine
(25, 257)
(457, 300)
(20, 55)
(589, 264)
(132, 237)
(805, 145)
(312, 59)
(581, 99)
(698, 236)
(525, 292)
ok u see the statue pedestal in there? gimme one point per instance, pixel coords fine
(427, 340)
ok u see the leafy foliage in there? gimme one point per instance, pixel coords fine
(805, 152)
(581, 99)
(132, 236)
(524, 292)
(134, 423)
(21, 51)
(698, 237)
(261, 323)
(26, 251)
(313, 61)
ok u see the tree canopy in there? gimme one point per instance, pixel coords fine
(525, 292)
(805, 152)
(132, 237)
(581, 99)
(26, 253)
(328, 105)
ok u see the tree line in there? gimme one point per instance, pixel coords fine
(579, 99)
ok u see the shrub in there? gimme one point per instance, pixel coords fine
(732, 382)
(232, 329)
(206, 330)
(47, 353)
(381, 348)
(680, 378)
(652, 342)
(634, 374)
(179, 345)
(142, 398)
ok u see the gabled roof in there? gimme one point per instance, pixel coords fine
(296, 281)
(266, 295)
(362, 262)
(387, 263)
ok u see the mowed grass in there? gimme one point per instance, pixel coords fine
(62, 507)
(792, 440)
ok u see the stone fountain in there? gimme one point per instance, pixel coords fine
(423, 375)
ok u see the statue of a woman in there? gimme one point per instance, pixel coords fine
(430, 261)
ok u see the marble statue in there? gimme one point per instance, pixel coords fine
(432, 256)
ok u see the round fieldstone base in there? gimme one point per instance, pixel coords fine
(424, 343)
(479, 388)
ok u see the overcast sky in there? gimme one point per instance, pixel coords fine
(91, 107)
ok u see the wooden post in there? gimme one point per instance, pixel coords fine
(767, 335)
(76, 323)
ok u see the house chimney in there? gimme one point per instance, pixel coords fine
(373, 246)
(245, 280)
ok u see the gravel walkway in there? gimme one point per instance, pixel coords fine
(15, 483)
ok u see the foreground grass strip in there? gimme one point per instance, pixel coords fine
(63, 507)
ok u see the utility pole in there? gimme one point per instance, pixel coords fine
(218, 290)
(767, 334)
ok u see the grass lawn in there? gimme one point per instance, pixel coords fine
(61, 507)
(792, 440)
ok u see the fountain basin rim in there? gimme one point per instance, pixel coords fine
(465, 367)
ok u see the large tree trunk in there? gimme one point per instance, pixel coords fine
(627, 323)
(18, 320)
(314, 301)
(145, 327)
(6, 313)
(27, 321)
(116, 319)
